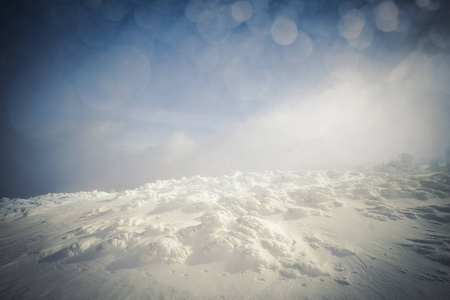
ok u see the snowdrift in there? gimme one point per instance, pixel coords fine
(265, 235)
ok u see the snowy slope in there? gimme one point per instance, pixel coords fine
(267, 235)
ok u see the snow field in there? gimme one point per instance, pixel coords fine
(336, 234)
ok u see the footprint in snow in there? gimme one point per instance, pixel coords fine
(436, 276)
(343, 281)
(338, 268)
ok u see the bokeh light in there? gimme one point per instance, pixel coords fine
(194, 9)
(284, 32)
(386, 16)
(422, 3)
(434, 5)
(404, 22)
(215, 24)
(364, 39)
(351, 24)
(241, 11)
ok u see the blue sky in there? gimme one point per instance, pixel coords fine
(113, 94)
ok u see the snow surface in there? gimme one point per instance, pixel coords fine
(266, 235)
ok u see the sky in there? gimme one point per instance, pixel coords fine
(112, 94)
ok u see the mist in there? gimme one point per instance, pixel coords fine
(114, 94)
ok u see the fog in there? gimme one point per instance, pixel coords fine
(114, 94)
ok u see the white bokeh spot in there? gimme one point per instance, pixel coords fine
(284, 32)
(242, 11)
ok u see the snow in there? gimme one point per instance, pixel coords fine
(253, 235)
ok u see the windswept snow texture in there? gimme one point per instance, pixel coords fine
(267, 235)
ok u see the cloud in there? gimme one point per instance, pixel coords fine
(352, 119)
(177, 147)
(356, 119)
